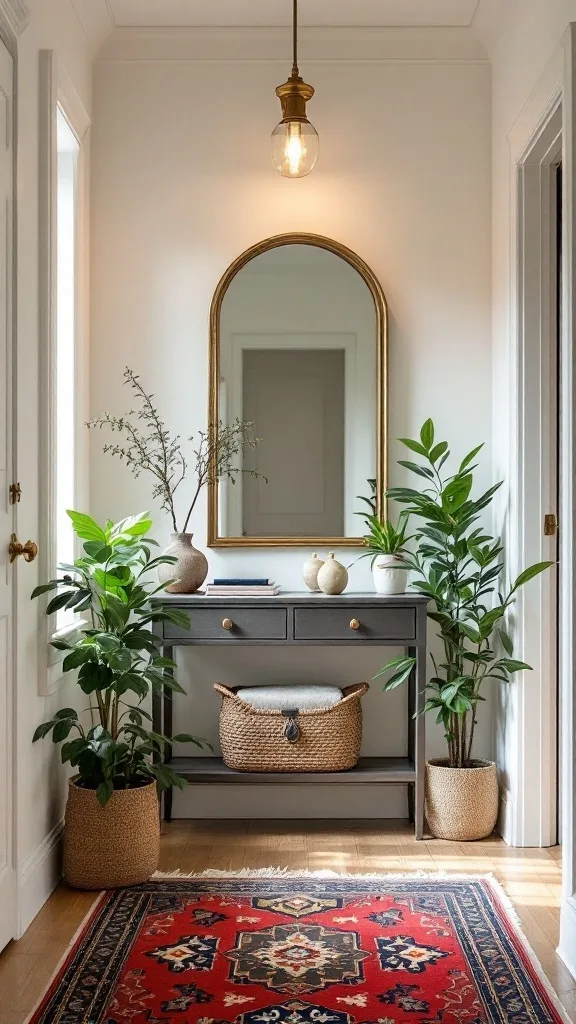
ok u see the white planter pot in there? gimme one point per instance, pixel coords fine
(390, 575)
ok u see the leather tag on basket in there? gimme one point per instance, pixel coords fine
(291, 729)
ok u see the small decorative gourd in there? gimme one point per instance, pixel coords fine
(310, 571)
(333, 576)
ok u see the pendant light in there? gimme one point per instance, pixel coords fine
(294, 140)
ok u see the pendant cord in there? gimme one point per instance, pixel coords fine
(295, 38)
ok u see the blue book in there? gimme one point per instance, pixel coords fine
(240, 583)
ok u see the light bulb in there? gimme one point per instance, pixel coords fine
(294, 148)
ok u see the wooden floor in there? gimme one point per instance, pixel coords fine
(531, 877)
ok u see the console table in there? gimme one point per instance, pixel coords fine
(354, 620)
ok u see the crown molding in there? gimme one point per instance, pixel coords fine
(15, 15)
(271, 45)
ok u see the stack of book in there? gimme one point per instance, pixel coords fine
(242, 588)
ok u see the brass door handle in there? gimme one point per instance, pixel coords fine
(29, 550)
(354, 624)
(227, 624)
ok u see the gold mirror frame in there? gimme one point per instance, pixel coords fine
(301, 238)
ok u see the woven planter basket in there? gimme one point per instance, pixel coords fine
(461, 803)
(112, 846)
(255, 740)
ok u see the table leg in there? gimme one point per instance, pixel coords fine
(168, 732)
(420, 728)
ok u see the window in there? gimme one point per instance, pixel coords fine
(67, 150)
(63, 139)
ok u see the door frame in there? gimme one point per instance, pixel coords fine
(533, 150)
(535, 810)
(14, 16)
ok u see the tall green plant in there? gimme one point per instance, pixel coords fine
(117, 656)
(458, 566)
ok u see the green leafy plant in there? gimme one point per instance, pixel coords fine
(117, 656)
(149, 447)
(384, 537)
(458, 566)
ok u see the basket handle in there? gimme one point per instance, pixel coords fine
(226, 691)
(354, 692)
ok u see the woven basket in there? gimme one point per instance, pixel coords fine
(461, 803)
(112, 846)
(255, 740)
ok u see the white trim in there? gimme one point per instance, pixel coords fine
(38, 876)
(270, 45)
(535, 812)
(567, 946)
(14, 15)
(56, 90)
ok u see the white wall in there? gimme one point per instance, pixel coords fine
(41, 787)
(182, 183)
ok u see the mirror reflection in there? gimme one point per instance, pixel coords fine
(298, 358)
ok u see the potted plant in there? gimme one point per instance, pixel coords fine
(387, 547)
(150, 448)
(111, 833)
(458, 567)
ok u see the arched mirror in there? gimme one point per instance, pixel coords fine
(298, 349)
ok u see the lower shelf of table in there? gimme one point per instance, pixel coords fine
(368, 770)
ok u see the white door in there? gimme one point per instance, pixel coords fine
(7, 731)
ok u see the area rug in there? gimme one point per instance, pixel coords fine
(248, 949)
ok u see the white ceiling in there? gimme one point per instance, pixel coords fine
(273, 13)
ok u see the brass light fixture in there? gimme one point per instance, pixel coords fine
(294, 140)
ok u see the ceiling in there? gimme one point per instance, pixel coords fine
(274, 13)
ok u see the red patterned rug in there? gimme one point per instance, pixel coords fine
(300, 950)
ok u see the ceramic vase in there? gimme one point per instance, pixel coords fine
(332, 576)
(390, 574)
(310, 571)
(190, 569)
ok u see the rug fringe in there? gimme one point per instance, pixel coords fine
(497, 891)
(325, 873)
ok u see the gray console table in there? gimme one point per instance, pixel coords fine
(354, 620)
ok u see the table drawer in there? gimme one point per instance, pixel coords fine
(339, 623)
(246, 624)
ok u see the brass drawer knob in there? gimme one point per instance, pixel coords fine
(354, 624)
(227, 624)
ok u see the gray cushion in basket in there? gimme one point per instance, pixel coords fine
(279, 698)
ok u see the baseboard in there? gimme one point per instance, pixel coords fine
(567, 947)
(38, 877)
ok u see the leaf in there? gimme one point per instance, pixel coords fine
(42, 731)
(62, 730)
(85, 527)
(530, 573)
(438, 450)
(99, 552)
(414, 446)
(44, 588)
(427, 435)
(506, 642)
(104, 792)
(470, 457)
(58, 602)
(419, 470)
(511, 665)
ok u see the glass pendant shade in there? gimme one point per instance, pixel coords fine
(294, 148)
